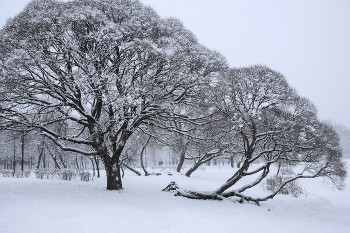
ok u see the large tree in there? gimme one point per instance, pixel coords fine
(267, 120)
(104, 67)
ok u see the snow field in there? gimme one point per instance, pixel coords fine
(33, 205)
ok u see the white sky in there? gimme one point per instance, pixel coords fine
(306, 40)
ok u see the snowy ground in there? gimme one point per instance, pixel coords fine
(32, 205)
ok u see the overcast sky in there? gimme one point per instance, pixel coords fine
(306, 40)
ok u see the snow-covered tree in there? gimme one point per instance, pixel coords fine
(344, 135)
(106, 68)
(266, 120)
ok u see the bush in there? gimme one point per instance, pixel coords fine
(63, 174)
(85, 176)
(272, 184)
(67, 174)
(39, 173)
(16, 174)
(27, 173)
(19, 174)
(7, 173)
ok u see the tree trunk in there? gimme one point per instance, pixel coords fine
(62, 161)
(112, 167)
(182, 160)
(111, 159)
(131, 169)
(93, 167)
(76, 162)
(114, 180)
(192, 169)
(14, 156)
(39, 159)
(28, 159)
(143, 166)
(44, 159)
(82, 163)
(97, 166)
(232, 163)
(278, 171)
(55, 160)
(22, 165)
(141, 157)
(234, 179)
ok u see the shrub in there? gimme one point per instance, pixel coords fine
(272, 184)
(85, 176)
(7, 173)
(27, 173)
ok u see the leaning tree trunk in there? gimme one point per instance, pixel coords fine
(39, 159)
(234, 179)
(131, 169)
(62, 161)
(141, 157)
(182, 160)
(192, 169)
(55, 160)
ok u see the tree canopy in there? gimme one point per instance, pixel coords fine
(266, 120)
(105, 67)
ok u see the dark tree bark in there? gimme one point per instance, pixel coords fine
(198, 161)
(97, 166)
(54, 159)
(22, 162)
(113, 164)
(132, 169)
(62, 161)
(14, 156)
(192, 169)
(141, 156)
(76, 162)
(114, 181)
(5, 163)
(93, 166)
(39, 159)
(234, 179)
(181, 162)
(278, 170)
